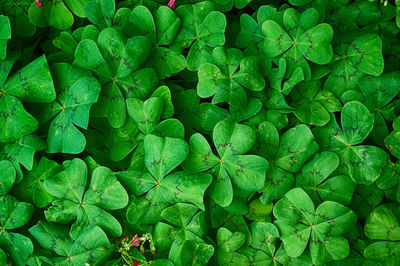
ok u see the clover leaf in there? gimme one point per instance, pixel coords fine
(211, 114)
(362, 56)
(194, 253)
(71, 109)
(161, 30)
(100, 12)
(379, 92)
(5, 35)
(155, 187)
(286, 154)
(8, 176)
(185, 223)
(280, 89)
(314, 179)
(22, 152)
(382, 224)
(227, 5)
(263, 249)
(52, 13)
(121, 77)
(21, 25)
(298, 221)
(202, 29)
(32, 188)
(252, 38)
(88, 248)
(300, 40)
(228, 243)
(231, 166)
(224, 82)
(13, 215)
(313, 105)
(89, 208)
(364, 162)
(32, 83)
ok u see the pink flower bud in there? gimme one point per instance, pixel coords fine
(39, 4)
(155, 252)
(136, 263)
(116, 239)
(142, 250)
(125, 236)
(171, 4)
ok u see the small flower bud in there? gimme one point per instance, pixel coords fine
(171, 4)
(39, 4)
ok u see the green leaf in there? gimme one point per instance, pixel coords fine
(232, 139)
(365, 163)
(5, 35)
(382, 224)
(162, 155)
(146, 114)
(32, 186)
(100, 12)
(7, 176)
(54, 14)
(22, 152)
(88, 247)
(357, 122)
(228, 241)
(88, 208)
(203, 29)
(74, 110)
(365, 54)
(297, 145)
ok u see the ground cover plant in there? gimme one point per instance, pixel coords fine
(190, 132)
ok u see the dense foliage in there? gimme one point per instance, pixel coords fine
(223, 132)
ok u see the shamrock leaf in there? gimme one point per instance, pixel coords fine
(21, 25)
(281, 89)
(52, 13)
(222, 80)
(211, 114)
(32, 83)
(362, 56)
(89, 208)
(313, 105)
(157, 189)
(252, 38)
(202, 29)
(301, 40)
(32, 186)
(314, 179)
(7, 176)
(100, 12)
(232, 141)
(298, 221)
(382, 224)
(379, 92)
(227, 5)
(263, 249)
(228, 243)
(184, 224)
(120, 77)
(22, 152)
(364, 162)
(286, 154)
(161, 31)
(88, 248)
(71, 109)
(194, 253)
(5, 35)
(13, 215)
